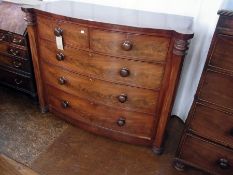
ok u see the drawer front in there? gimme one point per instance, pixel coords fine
(206, 155)
(4, 36)
(13, 51)
(19, 40)
(136, 124)
(212, 124)
(222, 55)
(140, 74)
(218, 89)
(100, 91)
(72, 34)
(142, 47)
(16, 63)
(16, 81)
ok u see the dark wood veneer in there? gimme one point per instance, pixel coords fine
(124, 77)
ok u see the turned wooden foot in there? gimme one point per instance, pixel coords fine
(179, 166)
(44, 109)
(157, 151)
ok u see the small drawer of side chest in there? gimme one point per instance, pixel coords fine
(206, 155)
(213, 124)
(222, 54)
(72, 34)
(16, 63)
(110, 94)
(217, 89)
(141, 47)
(17, 81)
(128, 72)
(100, 116)
(13, 51)
(18, 40)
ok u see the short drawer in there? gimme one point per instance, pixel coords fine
(95, 90)
(17, 81)
(17, 63)
(139, 74)
(13, 51)
(222, 52)
(72, 34)
(19, 40)
(141, 47)
(217, 88)
(212, 124)
(207, 156)
(124, 122)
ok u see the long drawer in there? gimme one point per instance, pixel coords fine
(222, 53)
(124, 122)
(16, 63)
(6, 48)
(143, 47)
(140, 74)
(217, 89)
(72, 34)
(110, 94)
(17, 81)
(206, 155)
(213, 124)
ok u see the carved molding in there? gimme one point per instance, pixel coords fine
(228, 13)
(180, 47)
(30, 18)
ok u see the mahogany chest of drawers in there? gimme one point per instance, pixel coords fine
(16, 69)
(114, 77)
(207, 142)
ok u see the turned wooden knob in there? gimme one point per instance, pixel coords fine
(58, 31)
(122, 98)
(121, 121)
(124, 72)
(223, 163)
(127, 45)
(61, 80)
(65, 104)
(60, 56)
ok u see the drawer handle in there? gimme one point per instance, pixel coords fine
(121, 122)
(18, 82)
(127, 45)
(65, 104)
(223, 163)
(58, 32)
(61, 80)
(17, 64)
(14, 52)
(122, 98)
(3, 38)
(124, 72)
(16, 41)
(60, 56)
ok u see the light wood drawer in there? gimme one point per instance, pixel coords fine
(212, 124)
(207, 155)
(124, 122)
(222, 55)
(141, 74)
(72, 34)
(141, 47)
(217, 88)
(95, 90)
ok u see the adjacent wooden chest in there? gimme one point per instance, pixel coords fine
(16, 69)
(112, 79)
(207, 142)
